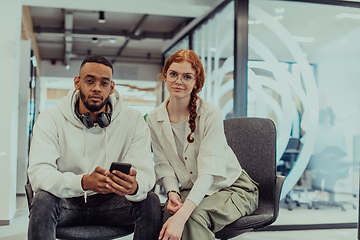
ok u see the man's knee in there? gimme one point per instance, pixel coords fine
(43, 201)
(151, 205)
(153, 198)
(153, 201)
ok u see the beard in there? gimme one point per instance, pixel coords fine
(92, 107)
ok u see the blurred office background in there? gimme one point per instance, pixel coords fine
(295, 62)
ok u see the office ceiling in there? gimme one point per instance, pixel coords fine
(133, 31)
(138, 30)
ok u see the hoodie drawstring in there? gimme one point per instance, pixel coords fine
(86, 162)
(106, 148)
(86, 157)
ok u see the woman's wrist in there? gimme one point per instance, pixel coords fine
(185, 211)
(182, 215)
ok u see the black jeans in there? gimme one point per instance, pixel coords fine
(48, 211)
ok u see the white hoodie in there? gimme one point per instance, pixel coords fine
(63, 149)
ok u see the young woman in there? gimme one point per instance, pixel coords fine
(205, 184)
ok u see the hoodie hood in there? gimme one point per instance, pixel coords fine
(73, 96)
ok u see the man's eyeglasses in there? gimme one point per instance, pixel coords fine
(90, 84)
(186, 79)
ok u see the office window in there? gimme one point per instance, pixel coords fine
(303, 66)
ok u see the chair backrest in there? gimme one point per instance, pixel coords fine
(253, 141)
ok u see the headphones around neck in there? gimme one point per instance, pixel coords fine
(103, 118)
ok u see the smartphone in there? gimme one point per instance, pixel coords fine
(122, 167)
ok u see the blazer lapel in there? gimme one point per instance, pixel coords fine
(163, 117)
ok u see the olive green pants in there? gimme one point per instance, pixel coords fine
(219, 209)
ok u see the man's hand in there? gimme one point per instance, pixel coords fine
(121, 183)
(96, 181)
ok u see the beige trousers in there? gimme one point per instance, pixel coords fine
(219, 209)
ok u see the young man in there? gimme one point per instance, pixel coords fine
(73, 146)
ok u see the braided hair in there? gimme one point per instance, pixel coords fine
(194, 60)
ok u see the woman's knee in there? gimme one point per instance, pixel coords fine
(200, 217)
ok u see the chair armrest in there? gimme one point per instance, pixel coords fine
(279, 185)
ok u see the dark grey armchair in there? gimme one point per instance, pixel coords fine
(85, 232)
(253, 141)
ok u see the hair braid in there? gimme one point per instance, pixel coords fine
(193, 114)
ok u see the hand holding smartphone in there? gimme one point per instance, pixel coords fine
(122, 167)
(121, 185)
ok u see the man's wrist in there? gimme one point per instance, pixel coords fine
(173, 191)
(83, 182)
(136, 190)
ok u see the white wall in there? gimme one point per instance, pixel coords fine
(10, 25)
(23, 127)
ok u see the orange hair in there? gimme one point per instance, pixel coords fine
(192, 58)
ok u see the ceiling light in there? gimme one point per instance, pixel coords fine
(101, 17)
(252, 22)
(348, 15)
(303, 39)
(278, 18)
(279, 10)
(137, 32)
(212, 49)
(67, 67)
(112, 40)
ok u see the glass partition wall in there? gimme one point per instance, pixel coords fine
(303, 74)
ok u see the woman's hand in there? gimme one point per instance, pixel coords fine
(173, 228)
(174, 203)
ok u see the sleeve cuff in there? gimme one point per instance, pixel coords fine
(140, 195)
(76, 183)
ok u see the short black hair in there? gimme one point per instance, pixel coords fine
(98, 59)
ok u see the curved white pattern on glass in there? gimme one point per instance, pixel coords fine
(273, 94)
(309, 103)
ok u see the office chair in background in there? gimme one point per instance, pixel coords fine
(328, 169)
